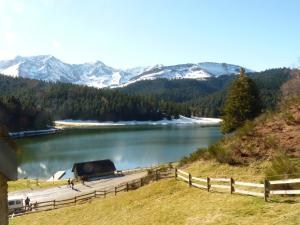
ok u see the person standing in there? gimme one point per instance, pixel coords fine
(69, 182)
(27, 202)
(72, 184)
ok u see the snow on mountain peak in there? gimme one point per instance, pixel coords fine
(97, 74)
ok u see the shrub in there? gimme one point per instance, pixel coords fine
(246, 129)
(214, 151)
(271, 142)
(282, 167)
(222, 155)
(289, 118)
(201, 153)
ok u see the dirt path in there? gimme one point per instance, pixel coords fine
(64, 192)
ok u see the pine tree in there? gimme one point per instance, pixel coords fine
(242, 103)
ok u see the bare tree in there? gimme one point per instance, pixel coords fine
(292, 87)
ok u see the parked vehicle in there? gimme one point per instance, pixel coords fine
(15, 205)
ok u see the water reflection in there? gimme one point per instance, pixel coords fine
(128, 147)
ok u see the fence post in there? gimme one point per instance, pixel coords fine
(175, 173)
(156, 175)
(231, 185)
(127, 187)
(266, 189)
(115, 191)
(53, 204)
(75, 200)
(208, 184)
(190, 180)
(95, 195)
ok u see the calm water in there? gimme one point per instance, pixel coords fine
(127, 147)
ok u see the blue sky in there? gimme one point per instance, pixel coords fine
(257, 34)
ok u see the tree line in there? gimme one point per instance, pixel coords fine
(69, 101)
(207, 97)
(268, 83)
(32, 104)
(17, 116)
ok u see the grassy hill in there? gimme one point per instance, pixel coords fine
(271, 135)
(173, 202)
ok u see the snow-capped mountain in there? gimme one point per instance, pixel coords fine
(97, 74)
(49, 68)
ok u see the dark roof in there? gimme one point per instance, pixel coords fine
(94, 167)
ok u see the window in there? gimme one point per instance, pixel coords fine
(11, 202)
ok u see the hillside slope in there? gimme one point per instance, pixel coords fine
(269, 134)
(206, 97)
(273, 134)
(173, 202)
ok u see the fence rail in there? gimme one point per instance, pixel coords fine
(288, 181)
(78, 199)
(267, 189)
(247, 184)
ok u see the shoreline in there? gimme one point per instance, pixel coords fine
(61, 125)
(33, 133)
(202, 121)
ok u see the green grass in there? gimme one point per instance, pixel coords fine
(173, 202)
(23, 184)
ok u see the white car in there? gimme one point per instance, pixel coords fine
(15, 205)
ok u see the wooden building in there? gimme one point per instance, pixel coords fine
(92, 169)
(8, 171)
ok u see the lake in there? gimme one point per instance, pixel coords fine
(128, 147)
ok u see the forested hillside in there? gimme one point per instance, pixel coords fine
(145, 100)
(68, 101)
(179, 90)
(17, 116)
(206, 97)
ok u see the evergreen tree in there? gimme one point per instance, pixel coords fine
(242, 103)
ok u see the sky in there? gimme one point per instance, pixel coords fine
(256, 34)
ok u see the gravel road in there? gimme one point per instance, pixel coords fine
(64, 192)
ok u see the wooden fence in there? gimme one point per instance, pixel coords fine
(264, 190)
(79, 199)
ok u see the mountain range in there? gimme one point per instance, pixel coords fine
(97, 74)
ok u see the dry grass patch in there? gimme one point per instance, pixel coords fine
(23, 184)
(210, 168)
